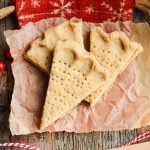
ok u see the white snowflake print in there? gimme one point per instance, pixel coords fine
(21, 6)
(35, 3)
(117, 15)
(89, 9)
(61, 7)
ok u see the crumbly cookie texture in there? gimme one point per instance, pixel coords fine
(41, 50)
(75, 73)
(114, 51)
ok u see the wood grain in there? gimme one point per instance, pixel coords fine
(138, 16)
(61, 140)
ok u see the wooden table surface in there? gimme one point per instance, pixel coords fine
(61, 140)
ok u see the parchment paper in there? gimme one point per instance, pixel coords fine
(126, 106)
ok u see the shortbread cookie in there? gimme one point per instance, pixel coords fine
(4, 12)
(75, 73)
(144, 6)
(40, 56)
(114, 51)
(41, 50)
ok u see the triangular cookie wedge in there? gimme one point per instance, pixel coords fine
(75, 73)
(41, 50)
(39, 55)
(114, 51)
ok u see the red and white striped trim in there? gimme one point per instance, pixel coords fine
(21, 145)
(138, 139)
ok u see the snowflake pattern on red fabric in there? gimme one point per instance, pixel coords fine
(35, 3)
(61, 8)
(88, 10)
(120, 14)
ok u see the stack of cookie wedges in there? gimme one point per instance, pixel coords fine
(74, 73)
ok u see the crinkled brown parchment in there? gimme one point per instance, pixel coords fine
(126, 106)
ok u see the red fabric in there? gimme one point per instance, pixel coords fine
(88, 10)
